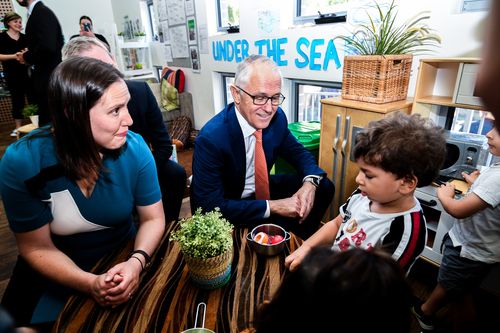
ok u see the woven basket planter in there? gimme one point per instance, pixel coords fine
(210, 273)
(376, 79)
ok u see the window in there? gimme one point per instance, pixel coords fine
(307, 10)
(227, 81)
(470, 121)
(152, 21)
(228, 14)
(306, 97)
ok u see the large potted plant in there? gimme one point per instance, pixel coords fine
(31, 111)
(206, 241)
(378, 69)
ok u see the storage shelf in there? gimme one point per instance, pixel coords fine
(138, 72)
(445, 101)
(133, 45)
(445, 82)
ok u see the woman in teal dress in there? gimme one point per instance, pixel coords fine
(69, 191)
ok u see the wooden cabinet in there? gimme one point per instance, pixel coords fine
(341, 119)
(444, 83)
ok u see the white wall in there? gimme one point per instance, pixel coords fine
(122, 8)
(460, 33)
(68, 13)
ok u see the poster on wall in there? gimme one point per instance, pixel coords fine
(195, 58)
(162, 10)
(191, 25)
(179, 42)
(189, 7)
(176, 12)
(203, 37)
(168, 53)
(268, 22)
(165, 31)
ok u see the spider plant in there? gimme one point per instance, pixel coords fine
(383, 36)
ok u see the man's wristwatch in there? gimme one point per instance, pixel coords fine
(313, 180)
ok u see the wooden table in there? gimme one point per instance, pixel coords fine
(25, 130)
(166, 299)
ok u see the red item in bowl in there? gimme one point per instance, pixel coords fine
(277, 239)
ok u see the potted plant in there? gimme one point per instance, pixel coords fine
(206, 241)
(121, 36)
(140, 36)
(31, 111)
(379, 69)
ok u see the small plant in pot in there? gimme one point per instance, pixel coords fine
(206, 241)
(378, 71)
(31, 111)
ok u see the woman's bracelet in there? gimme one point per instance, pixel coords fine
(144, 254)
(142, 265)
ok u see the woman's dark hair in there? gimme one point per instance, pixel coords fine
(406, 146)
(85, 17)
(10, 17)
(76, 85)
(351, 291)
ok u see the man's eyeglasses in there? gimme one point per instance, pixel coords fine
(262, 100)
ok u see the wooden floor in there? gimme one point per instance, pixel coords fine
(422, 277)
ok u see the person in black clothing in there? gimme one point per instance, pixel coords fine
(148, 122)
(12, 42)
(45, 41)
(86, 29)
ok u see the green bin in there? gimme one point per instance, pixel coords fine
(307, 133)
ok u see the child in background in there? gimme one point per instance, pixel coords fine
(472, 245)
(395, 155)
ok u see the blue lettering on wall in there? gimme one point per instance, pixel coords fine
(244, 49)
(331, 54)
(272, 48)
(302, 41)
(315, 55)
(228, 50)
(311, 54)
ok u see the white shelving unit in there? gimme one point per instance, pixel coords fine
(134, 60)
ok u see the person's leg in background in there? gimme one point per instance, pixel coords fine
(284, 186)
(17, 90)
(172, 178)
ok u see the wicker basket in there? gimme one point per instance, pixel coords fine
(210, 273)
(377, 78)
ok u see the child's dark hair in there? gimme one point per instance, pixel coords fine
(405, 145)
(330, 290)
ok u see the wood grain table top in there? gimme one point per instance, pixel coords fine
(166, 300)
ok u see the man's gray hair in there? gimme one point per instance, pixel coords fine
(76, 46)
(244, 69)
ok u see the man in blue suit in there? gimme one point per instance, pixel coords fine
(224, 161)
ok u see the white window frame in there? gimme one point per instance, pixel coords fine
(299, 19)
(294, 94)
(221, 26)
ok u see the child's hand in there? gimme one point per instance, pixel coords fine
(470, 178)
(293, 261)
(446, 190)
